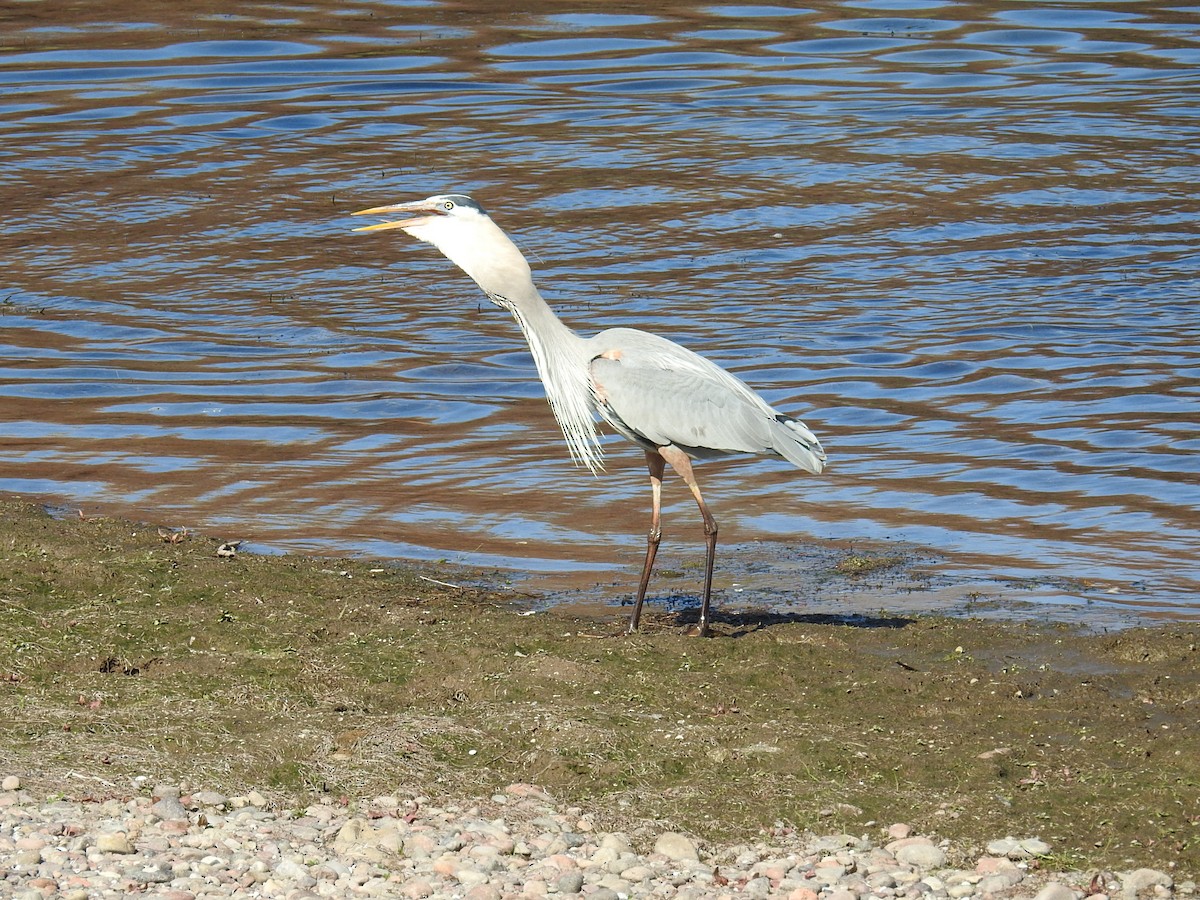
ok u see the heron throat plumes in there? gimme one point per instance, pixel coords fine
(474, 243)
(561, 362)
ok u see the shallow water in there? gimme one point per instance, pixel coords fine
(960, 241)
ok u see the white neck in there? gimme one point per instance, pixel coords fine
(485, 253)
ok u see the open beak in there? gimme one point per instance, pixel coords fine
(410, 214)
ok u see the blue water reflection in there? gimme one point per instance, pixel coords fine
(961, 242)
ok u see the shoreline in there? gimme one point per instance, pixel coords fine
(128, 655)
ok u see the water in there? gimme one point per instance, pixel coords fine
(959, 240)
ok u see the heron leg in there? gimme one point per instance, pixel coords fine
(680, 463)
(657, 465)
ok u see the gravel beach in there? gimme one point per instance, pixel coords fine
(177, 842)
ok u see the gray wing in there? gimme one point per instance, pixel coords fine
(657, 393)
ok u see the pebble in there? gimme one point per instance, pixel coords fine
(676, 846)
(514, 844)
(114, 842)
(918, 852)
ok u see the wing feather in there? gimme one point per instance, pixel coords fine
(657, 393)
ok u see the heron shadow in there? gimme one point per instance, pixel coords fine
(741, 623)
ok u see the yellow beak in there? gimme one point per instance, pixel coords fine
(414, 214)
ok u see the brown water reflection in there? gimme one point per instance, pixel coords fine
(960, 241)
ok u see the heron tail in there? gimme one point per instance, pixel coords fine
(799, 446)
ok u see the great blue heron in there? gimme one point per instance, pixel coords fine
(676, 405)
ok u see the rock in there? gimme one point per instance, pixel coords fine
(152, 873)
(617, 842)
(10, 783)
(831, 843)
(1133, 883)
(570, 882)
(1055, 891)
(990, 865)
(353, 833)
(469, 875)
(211, 798)
(1013, 848)
(1001, 847)
(114, 842)
(524, 791)
(758, 887)
(169, 808)
(899, 831)
(292, 870)
(1001, 881)
(920, 852)
(1033, 847)
(676, 846)
(417, 889)
(636, 873)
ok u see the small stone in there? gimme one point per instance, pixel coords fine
(114, 842)
(210, 798)
(676, 846)
(899, 831)
(758, 887)
(1002, 847)
(990, 865)
(570, 882)
(1055, 891)
(1033, 847)
(169, 809)
(354, 832)
(256, 799)
(1002, 881)
(921, 856)
(27, 859)
(527, 792)
(292, 870)
(1132, 883)
(417, 889)
(636, 873)
(10, 783)
(470, 875)
(616, 841)
(831, 843)
(151, 873)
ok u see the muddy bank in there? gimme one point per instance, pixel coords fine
(130, 651)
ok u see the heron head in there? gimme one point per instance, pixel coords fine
(459, 227)
(429, 219)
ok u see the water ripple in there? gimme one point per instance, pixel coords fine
(961, 242)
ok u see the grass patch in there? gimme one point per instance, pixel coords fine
(123, 654)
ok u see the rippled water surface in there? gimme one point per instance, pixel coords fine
(961, 241)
